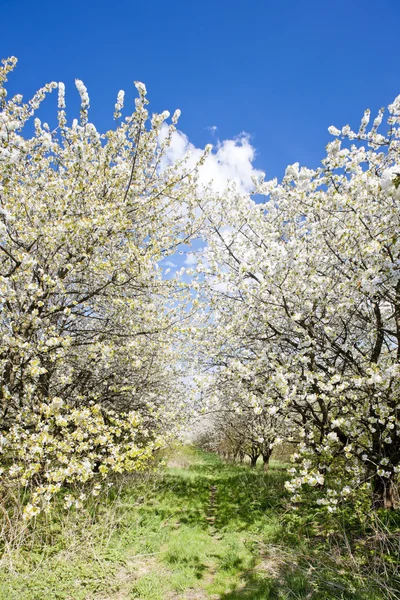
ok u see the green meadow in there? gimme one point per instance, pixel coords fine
(198, 528)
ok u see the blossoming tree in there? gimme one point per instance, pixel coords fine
(89, 358)
(308, 283)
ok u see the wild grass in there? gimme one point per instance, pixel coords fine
(200, 528)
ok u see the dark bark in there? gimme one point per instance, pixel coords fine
(384, 493)
(266, 457)
(253, 460)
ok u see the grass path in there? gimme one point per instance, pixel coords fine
(199, 529)
(214, 514)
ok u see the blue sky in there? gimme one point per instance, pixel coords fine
(283, 71)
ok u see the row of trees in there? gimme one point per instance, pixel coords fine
(293, 308)
(90, 362)
(238, 436)
(305, 297)
(237, 424)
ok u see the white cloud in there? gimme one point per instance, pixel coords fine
(221, 287)
(230, 160)
(169, 263)
(191, 259)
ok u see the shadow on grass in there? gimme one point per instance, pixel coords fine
(302, 584)
(293, 583)
(241, 494)
(254, 588)
(194, 563)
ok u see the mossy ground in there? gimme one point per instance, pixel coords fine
(197, 529)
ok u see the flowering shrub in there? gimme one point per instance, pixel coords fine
(56, 445)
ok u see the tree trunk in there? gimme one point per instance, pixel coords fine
(384, 493)
(253, 460)
(266, 458)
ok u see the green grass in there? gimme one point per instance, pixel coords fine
(199, 528)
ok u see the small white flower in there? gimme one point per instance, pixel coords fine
(61, 95)
(333, 130)
(80, 86)
(175, 116)
(141, 88)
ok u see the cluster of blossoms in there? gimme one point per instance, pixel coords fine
(305, 297)
(56, 447)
